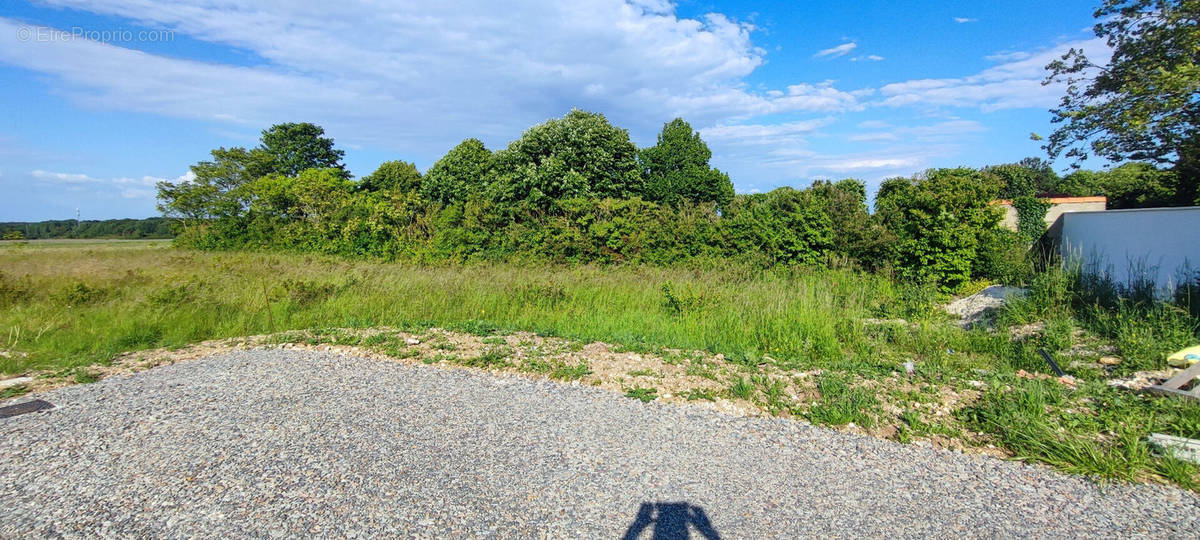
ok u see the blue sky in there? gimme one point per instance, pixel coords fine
(105, 97)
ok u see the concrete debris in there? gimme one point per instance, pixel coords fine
(979, 308)
(1178, 447)
(17, 381)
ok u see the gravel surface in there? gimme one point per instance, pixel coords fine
(287, 443)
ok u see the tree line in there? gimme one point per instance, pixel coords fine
(576, 189)
(155, 227)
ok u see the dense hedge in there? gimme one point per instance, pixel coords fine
(576, 190)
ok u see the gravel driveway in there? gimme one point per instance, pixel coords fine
(289, 443)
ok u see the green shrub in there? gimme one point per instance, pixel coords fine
(12, 290)
(939, 220)
(1002, 257)
(81, 294)
(1031, 217)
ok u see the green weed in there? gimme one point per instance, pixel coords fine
(842, 403)
(742, 389)
(645, 395)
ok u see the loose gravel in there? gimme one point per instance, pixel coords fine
(279, 443)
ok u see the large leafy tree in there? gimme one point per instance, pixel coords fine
(1132, 185)
(462, 172)
(295, 147)
(218, 188)
(856, 233)
(677, 170)
(1144, 105)
(578, 155)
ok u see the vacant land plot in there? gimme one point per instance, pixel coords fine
(827, 346)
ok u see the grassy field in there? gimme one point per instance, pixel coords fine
(828, 346)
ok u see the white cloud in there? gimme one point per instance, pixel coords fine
(873, 124)
(834, 52)
(1008, 56)
(1015, 83)
(474, 68)
(126, 187)
(856, 164)
(943, 132)
(62, 178)
(421, 76)
(961, 20)
(758, 134)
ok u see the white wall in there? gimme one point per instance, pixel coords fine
(1154, 243)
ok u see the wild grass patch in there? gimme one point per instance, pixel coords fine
(842, 403)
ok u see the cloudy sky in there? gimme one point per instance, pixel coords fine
(104, 97)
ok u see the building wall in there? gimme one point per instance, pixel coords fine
(1150, 243)
(1058, 207)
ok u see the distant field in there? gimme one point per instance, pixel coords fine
(828, 346)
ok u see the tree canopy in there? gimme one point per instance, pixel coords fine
(462, 172)
(1144, 104)
(578, 155)
(294, 147)
(393, 176)
(576, 189)
(677, 170)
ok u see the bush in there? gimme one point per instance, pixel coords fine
(12, 290)
(677, 169)
(1003, 257)
(393, 176)
(463, 171)
(939, 220)
(1031, 217)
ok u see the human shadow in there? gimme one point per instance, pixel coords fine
(671, 521)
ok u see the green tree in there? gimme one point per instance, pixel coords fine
(578, 155)
(939, 220)
(462, 172)
(215, 191)
(856, 233)
(677, 170)
(1142, 105)
(294, 147)
(1028, 178)
(392, 176)
(1138, 185)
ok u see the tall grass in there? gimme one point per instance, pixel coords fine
(74, 305)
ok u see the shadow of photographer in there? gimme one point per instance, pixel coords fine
(671, 521)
